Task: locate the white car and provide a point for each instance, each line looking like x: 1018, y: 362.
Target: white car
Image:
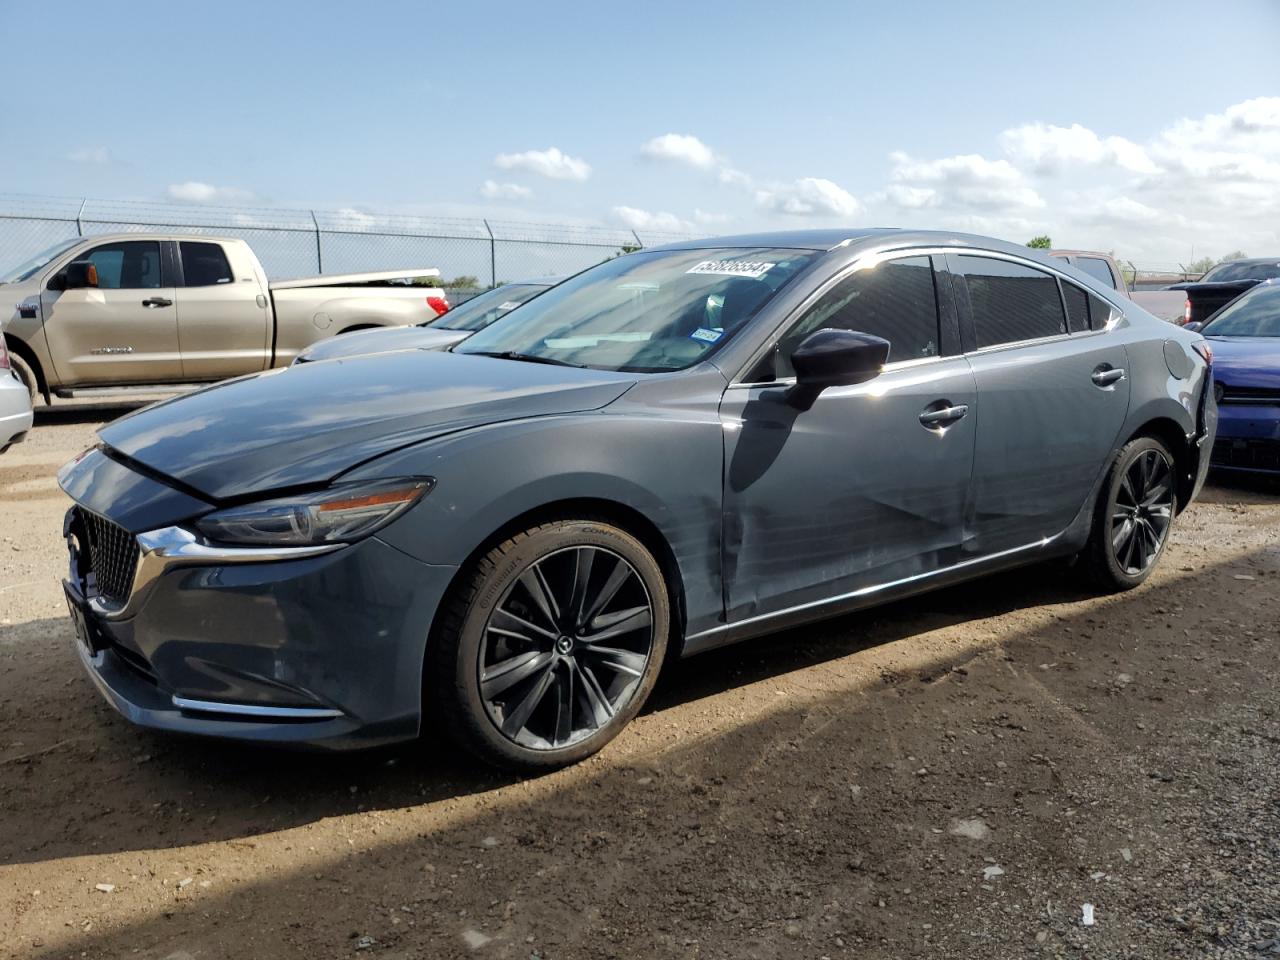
x: 15, y: 403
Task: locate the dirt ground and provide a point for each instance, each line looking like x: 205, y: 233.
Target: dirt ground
x: 952, y: 776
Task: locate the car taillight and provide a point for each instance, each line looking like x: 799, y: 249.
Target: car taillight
x: 4, y: 355
x: 439, y: 304
x: 1202, y: 347
x: 1186, y: 312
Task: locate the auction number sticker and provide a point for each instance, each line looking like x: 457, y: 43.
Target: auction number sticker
x: 755, y: 269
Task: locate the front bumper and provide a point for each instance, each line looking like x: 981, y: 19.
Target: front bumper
x: 15, y: 409
x: 323, y: 650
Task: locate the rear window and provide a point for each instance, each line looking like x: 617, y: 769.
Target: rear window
x: 1098, y: 269
x: 204, y: 264
x: 1077, y: 302
x: 1011, y: 302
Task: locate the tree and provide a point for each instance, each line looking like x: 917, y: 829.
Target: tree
x: 1234, y: 255
x: 1199, y: 267
x: 1041, y: 242
x: 464, y: 282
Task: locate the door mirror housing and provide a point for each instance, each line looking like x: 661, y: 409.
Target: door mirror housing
x: 1193, y: 327
x: 78, y: 274
x: 834, y: 358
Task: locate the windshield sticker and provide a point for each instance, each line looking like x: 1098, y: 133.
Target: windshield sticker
x: 508, y: 305
x: 705, y: 335
x: 754, y: 269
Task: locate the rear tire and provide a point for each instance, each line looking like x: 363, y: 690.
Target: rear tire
x: 1133, y: 517
x: 550, y: 645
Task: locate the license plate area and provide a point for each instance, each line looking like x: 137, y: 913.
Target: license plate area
x: 87, y: 637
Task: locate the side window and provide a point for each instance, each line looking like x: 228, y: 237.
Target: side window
x: 1011, y: 302
x: 204, y: 264
x: 1100, y: 313
x: 1098, y: 269
x: 1077, y: 307
x: 894, y: 300
x: 129, y: 265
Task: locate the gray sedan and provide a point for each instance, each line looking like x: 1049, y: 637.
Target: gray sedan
x: 672, y: 451
x: 439, y: 333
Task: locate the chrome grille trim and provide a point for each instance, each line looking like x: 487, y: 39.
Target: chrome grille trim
x: 112, y: 556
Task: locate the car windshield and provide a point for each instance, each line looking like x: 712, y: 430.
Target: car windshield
x: 480, y: 311
x: 26, y: 269
x: 1242, y: 270
x: 645, y: 312
x: 1256, y: 314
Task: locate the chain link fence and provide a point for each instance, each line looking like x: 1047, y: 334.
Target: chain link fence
x: 295, y: 243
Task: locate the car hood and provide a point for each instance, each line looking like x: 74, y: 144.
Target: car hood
x: 307, y: 424
x: 383, y: 340
x: 1246, y: 361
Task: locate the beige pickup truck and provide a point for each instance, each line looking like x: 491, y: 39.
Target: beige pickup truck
x: 155, y: 310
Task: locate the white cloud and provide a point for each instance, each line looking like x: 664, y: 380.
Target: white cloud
x: 193, y: 191
x: 808, y: 197
x: 707, y: 219
x: 968, y: 181
x: 1050, y: 149
x: 492, y: 190
x: 637, y: 219
x: 551, y: 162
x: 98, y: 156
x: 680, y: 148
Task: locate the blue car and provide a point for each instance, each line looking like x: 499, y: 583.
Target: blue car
x: 1245, y: 338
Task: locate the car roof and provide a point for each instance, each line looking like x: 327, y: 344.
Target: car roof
x: 1246, y: 260
x: 866, y: 238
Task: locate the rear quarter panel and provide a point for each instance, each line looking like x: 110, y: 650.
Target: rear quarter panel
x: 307, y: 315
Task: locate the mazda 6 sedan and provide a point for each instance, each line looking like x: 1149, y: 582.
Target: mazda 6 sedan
x: 672, y: 451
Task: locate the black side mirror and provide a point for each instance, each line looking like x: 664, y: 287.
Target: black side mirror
x: 834, y: 358
x: 1193, y: 327
x: 80, y: 273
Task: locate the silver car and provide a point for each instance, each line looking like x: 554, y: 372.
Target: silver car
x: 672, y: 451
x: 15, y: 403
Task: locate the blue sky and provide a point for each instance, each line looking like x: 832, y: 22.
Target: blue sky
x: 1104, y: 124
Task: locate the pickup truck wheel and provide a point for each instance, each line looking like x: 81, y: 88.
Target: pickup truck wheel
x: 26, y: 375
x: 550, y: 646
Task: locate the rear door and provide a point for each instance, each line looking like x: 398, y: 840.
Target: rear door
x: 1053, y: 393
x: 224, y: 321
x: 123, y: 331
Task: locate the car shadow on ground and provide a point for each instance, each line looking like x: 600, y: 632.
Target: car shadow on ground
x: 1253, y: 489
x: 202, y: 791
x: 789, y: 824
x: 104, y: 412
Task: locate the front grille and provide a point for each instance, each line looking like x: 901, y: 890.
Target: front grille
x: 113, y: 556
x: 1246, y: 454
x: 1250, y: 395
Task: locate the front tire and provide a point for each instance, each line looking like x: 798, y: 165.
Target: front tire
x: 1134, y: 516
x: 550, y: 646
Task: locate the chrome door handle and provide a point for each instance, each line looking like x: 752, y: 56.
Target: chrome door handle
x: 944, y: 416
x: 157, y: 302
x: 1106, y: 376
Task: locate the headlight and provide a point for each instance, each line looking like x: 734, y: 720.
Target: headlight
x: 340, y: 514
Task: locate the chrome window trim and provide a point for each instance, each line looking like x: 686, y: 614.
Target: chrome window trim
x: 890, y: 367
x: 254, y: 710
x: 168, y: 547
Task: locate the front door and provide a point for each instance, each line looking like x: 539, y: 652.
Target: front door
x: 123, y: 331
x: 869, y: 485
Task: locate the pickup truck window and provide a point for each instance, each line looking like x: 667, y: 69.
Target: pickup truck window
x: 1098, y: 269
x: 128, y: 265
x: 204, y: 264
x: 1077, y: 307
